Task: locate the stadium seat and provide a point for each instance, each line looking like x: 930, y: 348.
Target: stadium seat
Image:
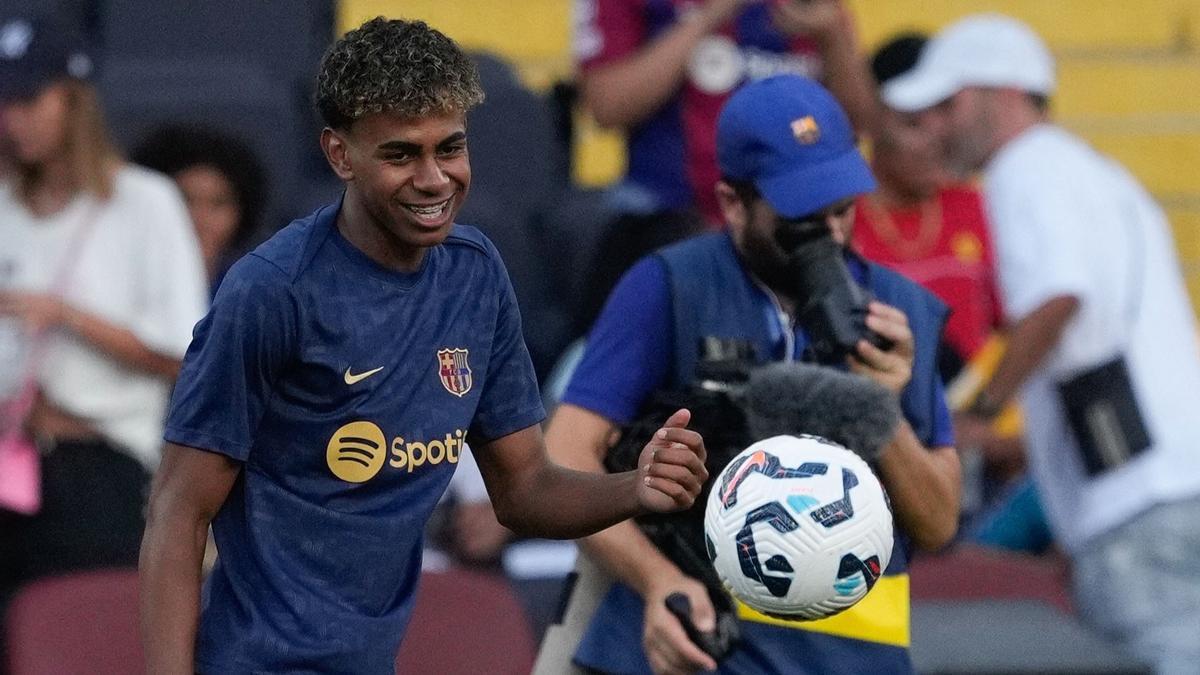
x: 84, y: 623
x: 1103, y: 87
x: 534, y: 33
x: 976, y: 573
x: 466, y: 622
x: 1166, y: 160
x: 241, y: 99
x: 286, y: 38
x: 1067, y: 25
x: 521, y: 199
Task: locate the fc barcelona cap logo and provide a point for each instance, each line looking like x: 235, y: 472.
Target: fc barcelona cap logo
x: 454, y: 370
x: 806, y: 130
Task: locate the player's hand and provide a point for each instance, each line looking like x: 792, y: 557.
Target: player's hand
x: 671, y: 467
x: 667, y: 646
x: 891, y: 368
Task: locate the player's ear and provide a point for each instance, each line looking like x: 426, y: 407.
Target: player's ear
x: 733, y: 209
x: 337, y: 152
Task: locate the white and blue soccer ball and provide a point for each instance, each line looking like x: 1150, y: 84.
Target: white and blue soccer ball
x: 798, y: 527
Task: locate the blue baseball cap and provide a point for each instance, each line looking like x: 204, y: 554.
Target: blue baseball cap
x: 788, y: 136
x: 36, y: 51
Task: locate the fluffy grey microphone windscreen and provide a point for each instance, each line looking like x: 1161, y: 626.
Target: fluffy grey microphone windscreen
x: 801, y: 398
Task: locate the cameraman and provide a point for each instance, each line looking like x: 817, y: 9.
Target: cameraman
x: 787, y: 154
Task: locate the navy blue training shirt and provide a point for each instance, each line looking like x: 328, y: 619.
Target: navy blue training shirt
x: 347, y: 391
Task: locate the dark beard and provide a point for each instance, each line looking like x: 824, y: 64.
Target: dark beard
x: 766, y: 262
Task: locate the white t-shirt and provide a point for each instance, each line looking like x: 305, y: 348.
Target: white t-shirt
x: 139, y: 267
x: 1069, y: 221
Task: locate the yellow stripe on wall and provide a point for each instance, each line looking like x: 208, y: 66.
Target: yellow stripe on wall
x: 882, y: 616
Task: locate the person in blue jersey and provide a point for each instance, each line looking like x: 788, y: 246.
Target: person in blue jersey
x: 325, y: 399
x: 787, y: 155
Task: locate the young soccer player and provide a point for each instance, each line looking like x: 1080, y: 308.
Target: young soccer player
x: 325, y: 399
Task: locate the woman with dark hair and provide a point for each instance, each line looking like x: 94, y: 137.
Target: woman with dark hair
x: 222, y: 182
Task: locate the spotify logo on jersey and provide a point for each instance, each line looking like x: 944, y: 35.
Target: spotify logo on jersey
x: 356, y: 452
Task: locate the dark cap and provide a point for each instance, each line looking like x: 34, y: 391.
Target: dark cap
x: 36, y: 51
x: 790, y: 137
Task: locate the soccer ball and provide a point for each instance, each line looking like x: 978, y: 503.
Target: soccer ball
x: 798, y: 527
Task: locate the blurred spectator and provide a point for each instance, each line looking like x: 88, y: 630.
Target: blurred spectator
x: 735, y: 285
x: 660, y: 71
x: 1015, y: 521
x: 464, y: 528
x: 100, y: 283
x: 930, y: 229
x: 221, y: 181
x: 1103, y: 340
x: 527, y: 207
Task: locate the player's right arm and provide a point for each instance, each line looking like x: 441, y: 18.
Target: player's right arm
x: 238, y: 351
x: 188, y: 489
x: 578, y: 438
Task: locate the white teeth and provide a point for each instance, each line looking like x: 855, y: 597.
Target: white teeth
x: 429, y: 211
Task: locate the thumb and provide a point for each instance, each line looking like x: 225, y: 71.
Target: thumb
x: 679, y: 419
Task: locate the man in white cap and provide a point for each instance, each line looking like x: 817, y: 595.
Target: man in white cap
x: 1102, y: 338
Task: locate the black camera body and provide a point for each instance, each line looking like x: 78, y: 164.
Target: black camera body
x: 832, y: 306
x: 715, y: 399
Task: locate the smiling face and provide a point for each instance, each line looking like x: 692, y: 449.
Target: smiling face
x: 406, y: 179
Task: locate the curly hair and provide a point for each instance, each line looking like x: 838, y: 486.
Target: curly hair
x: 395, y: 66
x: 174, y: 148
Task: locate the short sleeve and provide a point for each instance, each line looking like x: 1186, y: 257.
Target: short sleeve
x: 510, y: 400
x: 607, y: 30
x: 628, y: 351
x: 1037, y: 223
x: 238, y: 351
x: 942, y: 430
x: 173, y: 285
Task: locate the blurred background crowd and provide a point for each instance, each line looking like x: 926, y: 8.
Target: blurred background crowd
x: 177, y: 135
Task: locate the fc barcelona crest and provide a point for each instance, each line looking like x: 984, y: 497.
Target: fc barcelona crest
x: 806, y: 130
x: 454, y: 371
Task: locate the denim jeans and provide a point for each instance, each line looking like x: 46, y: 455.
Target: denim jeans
x: 1139, y: 585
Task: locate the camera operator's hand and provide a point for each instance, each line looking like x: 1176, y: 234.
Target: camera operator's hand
x: 891, y: 368
x: 664, y: 640
x: 671, y: 466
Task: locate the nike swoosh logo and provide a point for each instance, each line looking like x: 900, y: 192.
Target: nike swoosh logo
x: 352, y: 378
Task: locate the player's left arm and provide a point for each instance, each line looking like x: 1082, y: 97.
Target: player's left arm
x: 533, y: 496
x: 924, y: 484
